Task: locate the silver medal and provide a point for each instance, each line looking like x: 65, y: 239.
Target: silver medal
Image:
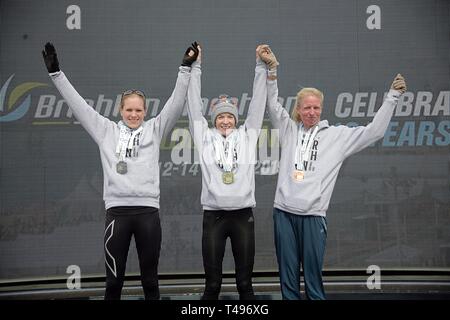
x: 121, y: 167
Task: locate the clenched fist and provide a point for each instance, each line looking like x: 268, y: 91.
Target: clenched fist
x: 399, y: 83
x: 190, y: 55
x: 266, y: 55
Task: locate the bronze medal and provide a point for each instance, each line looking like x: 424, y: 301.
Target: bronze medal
x: 299, y: 175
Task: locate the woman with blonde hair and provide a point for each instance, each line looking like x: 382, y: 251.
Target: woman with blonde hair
x: 129, y: 153
x: 312, y: 152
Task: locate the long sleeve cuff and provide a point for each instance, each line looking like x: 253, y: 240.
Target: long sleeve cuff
x: 272, y: 74
x: 393, y: 95
x: 261, y: 63
x: 55, y: 74
x: 197, y: 65
x: 185, y: 69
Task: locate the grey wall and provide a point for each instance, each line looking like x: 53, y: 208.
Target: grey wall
x: 390, y: 205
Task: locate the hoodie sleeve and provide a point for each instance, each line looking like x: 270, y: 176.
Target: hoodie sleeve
x: 197, y: 122
x: 358, y: 138
x: 94, y: 123
x: 257, y: 106
x: 278, y: 115
x: 166, y: 119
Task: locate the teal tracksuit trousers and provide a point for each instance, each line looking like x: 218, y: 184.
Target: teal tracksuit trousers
x: 300, y: 242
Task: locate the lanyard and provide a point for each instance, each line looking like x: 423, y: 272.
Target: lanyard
x: 127, y: 141
x: 303, y: 150
x: 225, y: 151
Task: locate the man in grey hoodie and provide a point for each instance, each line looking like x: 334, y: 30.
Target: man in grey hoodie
x: 129, y: 152
x: 312, y: 152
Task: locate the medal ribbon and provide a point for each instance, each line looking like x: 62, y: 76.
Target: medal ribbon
x: 225, y: 150
x: 304, y: 149
x: 128, y: 139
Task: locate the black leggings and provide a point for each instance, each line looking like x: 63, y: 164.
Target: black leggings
x: 217, y: 227
x: 121, y: 223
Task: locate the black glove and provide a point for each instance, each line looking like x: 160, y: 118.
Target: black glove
x: 189, y: 59
x: 50, y: 58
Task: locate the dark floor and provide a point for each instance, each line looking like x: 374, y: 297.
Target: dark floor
x: 336, y: 288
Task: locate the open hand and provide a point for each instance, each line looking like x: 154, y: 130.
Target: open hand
x: 50, y: 58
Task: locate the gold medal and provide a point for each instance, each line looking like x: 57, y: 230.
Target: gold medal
x: 299, y: 175
x: 228, y: 177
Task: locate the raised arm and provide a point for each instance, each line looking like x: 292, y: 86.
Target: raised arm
x: 257, y: 106
x: 278, y: 115
x: 94, y: 123
x: 361, y: 137
x: 197, y: 122
x: 173, y: 108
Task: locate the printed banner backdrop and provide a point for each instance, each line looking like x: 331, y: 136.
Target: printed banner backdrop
x: 391, y: 203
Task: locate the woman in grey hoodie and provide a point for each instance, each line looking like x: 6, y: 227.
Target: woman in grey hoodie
x: 129, y: 153
x: 312, y: 152
x: 227, y: 156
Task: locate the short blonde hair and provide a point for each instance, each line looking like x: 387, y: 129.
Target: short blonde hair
x: 302, y: 94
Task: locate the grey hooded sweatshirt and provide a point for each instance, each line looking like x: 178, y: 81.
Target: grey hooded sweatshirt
x: 140, y: 185
x: 332, y: 145
x: 241, y: 193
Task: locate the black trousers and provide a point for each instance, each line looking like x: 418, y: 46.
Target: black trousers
x: 121, y: 224
x: 238, y: 225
